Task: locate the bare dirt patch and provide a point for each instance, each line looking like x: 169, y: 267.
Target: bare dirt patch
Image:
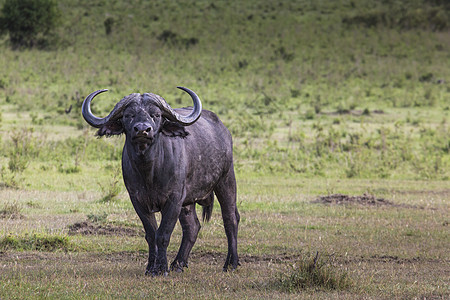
x: 88, y: 228
x: 364, y: 200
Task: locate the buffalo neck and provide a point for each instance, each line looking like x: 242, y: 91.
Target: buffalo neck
x: 162, y: 157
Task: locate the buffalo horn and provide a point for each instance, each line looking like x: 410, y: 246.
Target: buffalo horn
x: 169, y: 112
x: 172, y: 115
x: 96, y: 121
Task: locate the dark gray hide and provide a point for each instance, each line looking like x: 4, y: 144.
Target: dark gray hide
x: 171, y: 160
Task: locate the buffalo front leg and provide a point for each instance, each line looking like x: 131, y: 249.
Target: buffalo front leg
x: 190, y: 226
x: 150, y: 237
x: 169, y: 218
x: 149, y: 222
x: 226, y: 194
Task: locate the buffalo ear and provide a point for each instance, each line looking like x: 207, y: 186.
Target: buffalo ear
x: 110, y: 128
x: 173, y: 129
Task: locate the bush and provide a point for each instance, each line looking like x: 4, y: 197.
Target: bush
x: 404, y: 15
x: 314, y: 273
x: 28, y: 22
x: 97, y: 218
x: 111, y: 189
x: 109, y: 22
x: 11, y: 210
x: 172, y: 39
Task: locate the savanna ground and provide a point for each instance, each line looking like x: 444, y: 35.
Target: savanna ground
x: 339, y: 113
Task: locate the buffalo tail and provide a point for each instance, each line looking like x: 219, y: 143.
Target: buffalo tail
x: 207, y: 209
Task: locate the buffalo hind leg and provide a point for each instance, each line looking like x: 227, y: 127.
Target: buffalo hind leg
x: 225, y: 191
x: 190, y: 226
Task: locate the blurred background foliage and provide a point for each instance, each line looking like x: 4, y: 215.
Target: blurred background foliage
x: 355, y: 89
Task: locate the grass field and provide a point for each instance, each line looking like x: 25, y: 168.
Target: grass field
x: 339, y: 112
x: 393, y: 250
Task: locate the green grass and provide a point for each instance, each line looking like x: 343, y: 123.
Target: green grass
x: 34, y: 242
x: 280, y: 228
x: 322, y: 98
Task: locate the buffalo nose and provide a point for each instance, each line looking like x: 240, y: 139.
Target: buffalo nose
x: 142, y: 128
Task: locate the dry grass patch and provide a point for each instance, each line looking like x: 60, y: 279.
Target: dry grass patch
x: 11, y: 210
x: 89, y: 228
x: 386, y: 251
x: 314, y: 273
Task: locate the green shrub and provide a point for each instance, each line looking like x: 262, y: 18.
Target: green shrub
x: 24, y: 146
x: 174, y: 40
x: 28, y: 22
x: 282, y: 53
x: 109, y: 22
x: 314, y: 273
x: 112, y: 188
x: 69, y: 169
x: 405, y: 15
x: 11, y: 210
x: 97, y: 218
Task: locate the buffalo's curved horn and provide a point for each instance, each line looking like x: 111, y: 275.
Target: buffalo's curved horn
x: 87, y: 113
x: 97, y: 122
x: 168, y: 111
x: 172, y: 115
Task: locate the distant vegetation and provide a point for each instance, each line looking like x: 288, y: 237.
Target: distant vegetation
x: 28, y: 22
x: 355, y: 89
x: 405, y: 15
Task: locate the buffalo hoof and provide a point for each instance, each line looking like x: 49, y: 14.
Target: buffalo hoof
x: 230, y: 267
x: 160, y: 273
x: 154, y: 272
x: 178, y: 266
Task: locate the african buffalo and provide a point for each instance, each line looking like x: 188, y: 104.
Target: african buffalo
x: 171, y: 160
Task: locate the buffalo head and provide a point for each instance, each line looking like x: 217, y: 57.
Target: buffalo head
x: 142, y: 117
